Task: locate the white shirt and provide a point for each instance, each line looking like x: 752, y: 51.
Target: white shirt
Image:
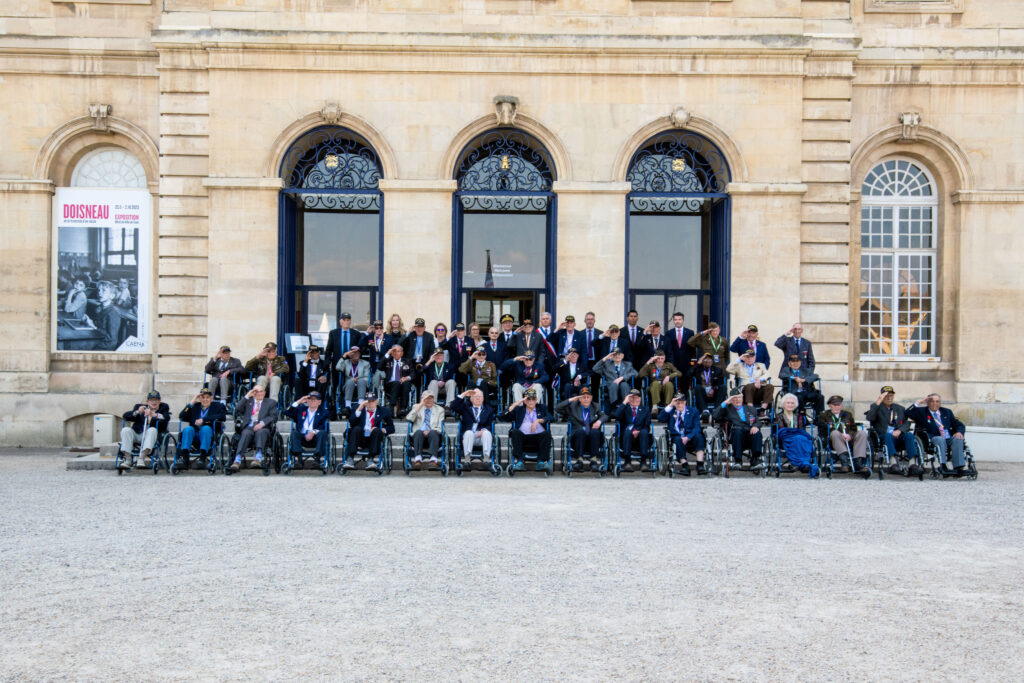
x: 307, y: 424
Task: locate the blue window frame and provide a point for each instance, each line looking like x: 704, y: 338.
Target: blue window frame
x: 504, y: 232
x: 330, y: 204
x: 678, y: 219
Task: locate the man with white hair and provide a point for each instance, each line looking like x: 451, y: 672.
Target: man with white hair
x: 475, y: 418
x: 793, y: 344
x: 427, y: 427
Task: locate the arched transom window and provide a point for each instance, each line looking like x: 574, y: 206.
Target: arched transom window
x: 109, y: 167
x: 898, y: 235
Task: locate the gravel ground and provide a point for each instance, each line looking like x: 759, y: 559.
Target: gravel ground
x: 253, y: 578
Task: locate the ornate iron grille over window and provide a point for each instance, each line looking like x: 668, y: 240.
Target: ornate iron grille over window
x: 504, y: 160
x: 678, y: 162
x: 332, y: 168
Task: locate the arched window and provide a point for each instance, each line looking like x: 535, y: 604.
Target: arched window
x: 109, y: 167
x: 898, y: 234
x: 504, y: 229
x: 677, y: 230
x: 331, y: 231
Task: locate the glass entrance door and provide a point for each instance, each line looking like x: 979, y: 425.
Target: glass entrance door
x: 486, y: 306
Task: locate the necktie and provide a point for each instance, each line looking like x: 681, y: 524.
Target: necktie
x: 355, y: 371
x: 590, y: 343
x: 398, y: 368
x: 634, y: 415
x: 344, y: 341
x: 372, y: 417
x: 476, y: 415
x: 426, y: 421
x: 494, y: 346
x: 679, y: 338
x: 679, y: 422
x: 617, y: 371
x: 222, y: 364
x: 256, y: 411
x: 632, y: 335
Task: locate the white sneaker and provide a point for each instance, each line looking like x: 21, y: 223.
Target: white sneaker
x: 140, y: 462
x: 418, y: 459
x: 433, y: 461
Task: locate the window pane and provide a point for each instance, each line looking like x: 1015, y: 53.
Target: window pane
x: 650, y: 307
x: 665, y: 252
x: 876, y: 227
x: 876, y: 304
x: 914, y: 304
x: 339, y: 249
x: 359, y: 305
x: 687, y: 305
x: 322, y: 312
x: 516, y: 244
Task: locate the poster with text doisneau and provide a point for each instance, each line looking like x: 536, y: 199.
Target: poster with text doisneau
x: 103, y: 270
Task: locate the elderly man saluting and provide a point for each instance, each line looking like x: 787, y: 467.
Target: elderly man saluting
x: 943, y: 429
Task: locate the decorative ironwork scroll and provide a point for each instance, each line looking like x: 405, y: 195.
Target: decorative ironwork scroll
x: 331, y: 158
x: 505, y: 202
x: 505, y: 160
x: 678, y: 161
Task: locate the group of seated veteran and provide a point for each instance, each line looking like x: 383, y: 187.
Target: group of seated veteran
x: 753, y: 380
x: 145, y: 424
x: 842, y: 433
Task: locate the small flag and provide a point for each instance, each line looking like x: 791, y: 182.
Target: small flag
x: 489, y: 275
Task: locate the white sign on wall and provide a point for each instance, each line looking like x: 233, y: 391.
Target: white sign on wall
x: 103, y: 269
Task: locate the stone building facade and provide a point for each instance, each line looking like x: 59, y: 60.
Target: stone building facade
x: 804, y: 100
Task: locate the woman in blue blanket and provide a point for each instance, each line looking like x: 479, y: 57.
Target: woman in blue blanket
x: 793, y: 436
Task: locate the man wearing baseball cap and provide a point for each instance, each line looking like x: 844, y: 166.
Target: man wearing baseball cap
x: 567, y: 337
x: 529, y: 375
x: 418, y: 346
x: 144, y: 424
x: 529, y: 431
x: 587, y: 421
x: 888, y: 421
x: 221, y: 369
x: 842, y: 432
x: 367, y: 426
x: 748, y: 340
x: 199, y: 417
x: 309, y: 428
x: 753, y: 380
x: 634, y: 432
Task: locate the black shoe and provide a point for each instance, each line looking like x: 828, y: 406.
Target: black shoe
x: 595, y: 466
x: 627, y: 467
x: 684, y: 469
x: 945, y: 471
x: 915, y: 470
x: 345, y: 413
x: 700, y: 469
x: 755, y: 462
x: 895, y: 469
x: 960, y: 472
x: 860, y: 464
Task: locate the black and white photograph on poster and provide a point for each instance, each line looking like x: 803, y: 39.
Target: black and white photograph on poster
x: 102, y: 269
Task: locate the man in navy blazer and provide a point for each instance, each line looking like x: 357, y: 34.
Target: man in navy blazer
x: 567, y: 337
x: 529, y: 428
x: 680, y: 353
x: 614, y: 339
x: 475, y: 418
x: 494, y: 347
x: 748, y: 340
x: 685, y: 433
x: 943, y: 429
x: 653, y: 341
x: 341, y: 340
x: 309, y: 423
x: 793, y: 344
x: 635, y: 429
x: 367, y: 427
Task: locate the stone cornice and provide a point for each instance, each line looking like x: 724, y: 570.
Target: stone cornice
x: 766, y: 188
x: 25, y: 185
x: 389, y: 185
x: 590, y: 187
x: 989, y: 197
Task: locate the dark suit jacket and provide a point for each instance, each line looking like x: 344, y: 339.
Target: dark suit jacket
x: 691, y: 421
x: 731, y: 415
x: 761, y: 350
x: 455, y: 356
x: 586, y: 346
x: 679, y: 357
x: 605, y: 347
x: 388, y: 368
x: 535, y: 344
x: 574, y: 409
x: 881, y: 417
x: 922, y: 418
x: 382, y: 419
x: 535, y: 375
x: 298, y: 413
x: 517, y: 415
x: 582, y: 371
x: 790, y: 347
x: 716, y: 376
x: 213, y: 366
x: 624, y: 334
x: 368, y: 349
x: 138, y: 422
x: 193, y: 411
x: 557, y: 341
x: 409, y: 346
x: 302, y: 376
x: 464, y: 409
x: 334, y: 352
x: 497, y: 354
x: 624, y: 415
x: 267, y: 415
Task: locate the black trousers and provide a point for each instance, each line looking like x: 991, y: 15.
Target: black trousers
x: 641, y: 442
x: 811, y: 397
x: 586, y: 442
x: 742, y: 438
x: 705, y: 402
x: 534, y: 443
x: 398, y: 394
x: 357, y: 440
x: 297, y: 441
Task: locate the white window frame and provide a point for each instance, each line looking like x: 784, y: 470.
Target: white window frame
x: 897, y: 203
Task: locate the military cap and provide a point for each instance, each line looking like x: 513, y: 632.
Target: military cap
x: 530, y: 393
x: 225, y: 348
x: 794, y: 357
x: 735, y: 392
x: 679, y: 397
x: 346, y: 316
x: 836, y: 399
x: 570, y: 318
x: 270, y: 346
x: 613, y: 328
x: 378, y: 323
x: 314, y: 394
x: 507, y: 318
x: 752, y: 328
x: 527, y: 321
x: 748, y: 352
x: 528, y: 354
x: 655, y: 323
x: 206, y: 391
x: 712, y: 325
x: 460, y: 326
x: 370, y: 396
x: 313, y: 347
x: 572, y: 349
x: 419, y: 322
x: 153, y: 394
x: 634, y: 392
x: 888, y: 390
x: 585, y: 391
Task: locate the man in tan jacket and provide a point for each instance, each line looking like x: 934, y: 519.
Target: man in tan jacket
x: 753, y: 379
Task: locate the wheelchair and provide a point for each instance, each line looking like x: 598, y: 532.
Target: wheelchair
x: 668, y: 466
x: 620, y: 459
x: 157, y: 458
x: 931, y: 460
x: 244, y: 381
x: 337, y: 392
x: 543, y: 462
x: 230, y: 400
x: 272, y: 456
x: 183, y: 460
x: 443, y: 449
x: 879, y: 456
x: 829, y: 461
x: 458, y: 462
x: 383, y: 455
x: 717, y: 443
x: 604, y: 464
x: 775, y: 455
x: 322, y: 458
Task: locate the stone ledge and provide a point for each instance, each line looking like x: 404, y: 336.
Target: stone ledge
x: 26, y: 185
x: 591, y: 187
x: 766, y: 188
x: 989, y: 197
x: 223, y: 183
x: 417, y: 185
